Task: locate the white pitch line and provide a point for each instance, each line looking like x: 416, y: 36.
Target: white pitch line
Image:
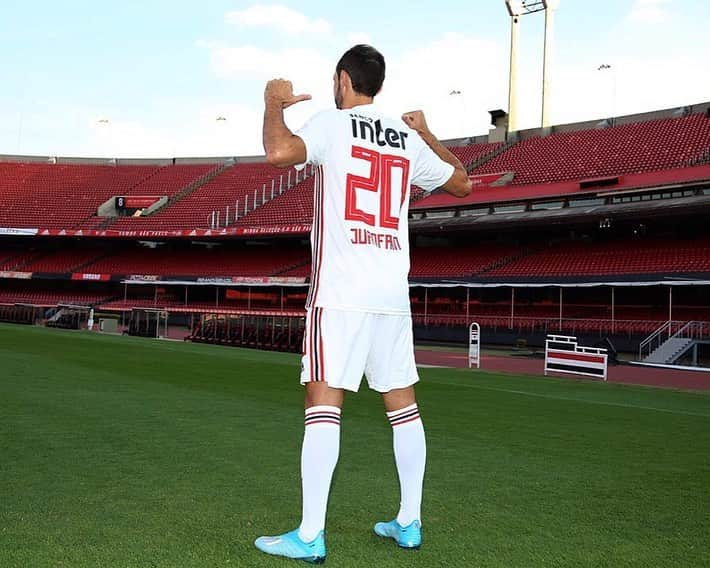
x: 597, y: 402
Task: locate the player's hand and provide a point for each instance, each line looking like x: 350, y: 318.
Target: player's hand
x: 280, y: 92
x: 416, y: 121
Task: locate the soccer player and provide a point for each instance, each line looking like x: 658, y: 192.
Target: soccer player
x: 358, y: 314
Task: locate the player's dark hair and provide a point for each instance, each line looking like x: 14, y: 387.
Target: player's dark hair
x: 366, y: 67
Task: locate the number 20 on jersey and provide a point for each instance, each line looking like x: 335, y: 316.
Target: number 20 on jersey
x: 378, y: 181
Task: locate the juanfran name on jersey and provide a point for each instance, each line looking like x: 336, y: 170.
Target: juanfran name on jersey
x: 379, y: 240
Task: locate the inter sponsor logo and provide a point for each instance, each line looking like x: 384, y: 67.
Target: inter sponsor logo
x: 367, y: 129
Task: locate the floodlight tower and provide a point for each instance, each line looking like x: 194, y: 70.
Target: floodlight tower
x: 550, y: 7
x: 518, y: 9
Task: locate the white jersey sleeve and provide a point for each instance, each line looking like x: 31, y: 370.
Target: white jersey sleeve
x: 314, y: 134
x: 430, y: 171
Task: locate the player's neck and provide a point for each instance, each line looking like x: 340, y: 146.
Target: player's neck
x: 356, y: 100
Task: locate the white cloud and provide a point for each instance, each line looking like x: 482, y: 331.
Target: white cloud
x: 649, y: 12
x: 279, y: 17
x: 309, y: 70
x: 356, y: 38
x: 125, y: 138
x: 198, y: 133
x: 632, y: 85
x: 424, y: 77
x: 206, y: 44
x: 239, y: 134
x: 249, y: 61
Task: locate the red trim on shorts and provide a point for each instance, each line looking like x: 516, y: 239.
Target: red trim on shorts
x: 321, y: 353
x: 310, y: 345
x: 319, y: 224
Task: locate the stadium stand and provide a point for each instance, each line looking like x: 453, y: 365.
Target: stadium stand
x: 62, y: 261
x: 66, y: 195
x: 457, y: 262
x: 201, y: 262
x: 630, y: 148
x: 235, y: 185
x: 51, y: 298
x: 16, y: 260
x: 635, y: 148
x: 293, y: 207
x: 469, y: 153
x: 611, y: 258
x: 167, y: 181
x: 115, y: 273
x: 618, y: 257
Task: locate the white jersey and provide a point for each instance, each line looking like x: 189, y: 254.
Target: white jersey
x: 365, y: 164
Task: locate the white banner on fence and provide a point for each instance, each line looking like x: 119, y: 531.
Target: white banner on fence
x: 564, y: 355
x: 18, y: 232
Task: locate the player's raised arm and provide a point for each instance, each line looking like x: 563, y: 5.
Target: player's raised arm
x: 282, y: 147
x: 458, y: 185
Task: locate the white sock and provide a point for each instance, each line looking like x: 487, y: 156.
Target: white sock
x: 410, y: 457
x: 319, y: 454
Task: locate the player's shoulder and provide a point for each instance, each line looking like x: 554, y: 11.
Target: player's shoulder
x: 373, y: 112
x: 325, y: 115
x: 318, y: 122
x: 396, y: 123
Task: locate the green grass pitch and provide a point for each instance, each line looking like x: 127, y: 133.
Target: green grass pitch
x: 137, y: 453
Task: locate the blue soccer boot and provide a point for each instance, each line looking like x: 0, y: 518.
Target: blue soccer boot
x: 290, y: 545
x: 406, y: 537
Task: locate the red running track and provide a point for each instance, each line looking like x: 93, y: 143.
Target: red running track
x: 623, y: 374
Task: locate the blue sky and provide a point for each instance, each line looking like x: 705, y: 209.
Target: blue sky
x: 149, y: 78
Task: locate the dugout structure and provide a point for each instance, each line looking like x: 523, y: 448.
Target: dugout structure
x: 146, y: 322
x: 276, y: 331
x: 27, y: 314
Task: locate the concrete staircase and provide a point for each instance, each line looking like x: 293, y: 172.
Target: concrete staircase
x: 669, y: 351
x: 681, y: 338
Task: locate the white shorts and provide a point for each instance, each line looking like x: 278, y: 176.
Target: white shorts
x: 339, y: 346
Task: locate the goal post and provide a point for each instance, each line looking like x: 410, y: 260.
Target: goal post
x: 474, y: 346
x: 69, y: 316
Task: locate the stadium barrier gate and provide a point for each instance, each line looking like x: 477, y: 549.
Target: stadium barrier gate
x: 474, y: 345
x: 564, y: 355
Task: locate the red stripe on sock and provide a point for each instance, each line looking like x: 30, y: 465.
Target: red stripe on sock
x: 401, y: 411
x: 323, y: 416
x: 323, y: 421
x: 412, y: 419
